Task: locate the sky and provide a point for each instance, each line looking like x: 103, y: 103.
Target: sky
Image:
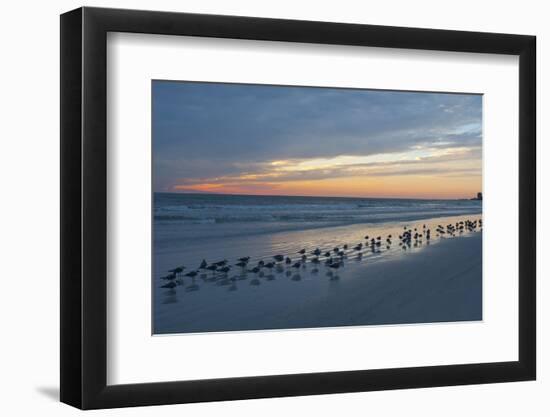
x: 283, y: 140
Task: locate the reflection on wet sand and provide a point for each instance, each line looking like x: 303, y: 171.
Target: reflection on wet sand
x: 292, y: 265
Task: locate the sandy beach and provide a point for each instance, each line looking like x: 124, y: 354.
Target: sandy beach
x: 436, y: 281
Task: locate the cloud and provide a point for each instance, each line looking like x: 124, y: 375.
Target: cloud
x: 205, y: 132
x: 450, y: 162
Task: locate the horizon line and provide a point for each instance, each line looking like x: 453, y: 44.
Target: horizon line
x: 315, y: 196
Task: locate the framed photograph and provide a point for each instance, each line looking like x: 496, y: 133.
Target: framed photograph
x: 257, y: 208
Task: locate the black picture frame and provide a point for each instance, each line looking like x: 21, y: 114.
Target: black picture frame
x: 84, y: 207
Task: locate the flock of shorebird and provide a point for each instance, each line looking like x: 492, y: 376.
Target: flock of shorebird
x: 333, y: 258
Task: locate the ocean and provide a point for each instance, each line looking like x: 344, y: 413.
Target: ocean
x: 199, y: 216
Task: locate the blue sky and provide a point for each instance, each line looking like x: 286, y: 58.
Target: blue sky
x: 272, y: 139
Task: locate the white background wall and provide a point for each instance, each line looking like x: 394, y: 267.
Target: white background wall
x: 29, y: 177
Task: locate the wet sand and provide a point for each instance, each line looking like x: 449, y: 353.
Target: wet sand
x: 437, y: 281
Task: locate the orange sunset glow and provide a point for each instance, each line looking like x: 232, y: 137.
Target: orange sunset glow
x: 258, y: 140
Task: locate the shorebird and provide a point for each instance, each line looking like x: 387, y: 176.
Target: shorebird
x: 177, y: 270
x: 169, y: 277
x: 333, y: 258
